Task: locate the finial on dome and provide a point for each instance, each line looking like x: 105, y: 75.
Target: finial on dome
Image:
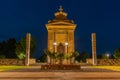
x: 60, y: 9
x: 60, y: 12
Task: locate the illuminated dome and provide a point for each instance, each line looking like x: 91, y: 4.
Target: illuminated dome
x: 60, y: 17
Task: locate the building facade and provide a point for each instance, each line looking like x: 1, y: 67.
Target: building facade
x: 61, y: 33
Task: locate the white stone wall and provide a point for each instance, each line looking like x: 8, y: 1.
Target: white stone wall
x: 15, y: 61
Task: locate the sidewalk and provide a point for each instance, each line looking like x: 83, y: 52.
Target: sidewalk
x: 35, y: 73
x: 59, y: 75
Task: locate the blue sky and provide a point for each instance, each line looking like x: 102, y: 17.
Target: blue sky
x: 17, y: 17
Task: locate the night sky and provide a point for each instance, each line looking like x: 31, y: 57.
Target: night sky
x: 17, y: 17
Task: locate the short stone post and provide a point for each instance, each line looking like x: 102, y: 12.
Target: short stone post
x: 28, y: 37
x: 94, y: 57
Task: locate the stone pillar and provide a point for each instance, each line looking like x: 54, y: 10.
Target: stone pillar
x: 94, y: 56
x: 66, y: 52
x: 54, y: 47
x: 28, y: 37
x: 48, y: 60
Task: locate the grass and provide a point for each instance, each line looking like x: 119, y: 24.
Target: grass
x: 5, y: 68
x: 115, y: 68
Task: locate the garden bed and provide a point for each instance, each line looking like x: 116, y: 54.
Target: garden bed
x: 60, y: 67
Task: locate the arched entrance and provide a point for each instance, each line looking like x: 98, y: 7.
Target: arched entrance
x: 61, y: 48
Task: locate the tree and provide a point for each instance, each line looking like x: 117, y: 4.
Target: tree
x: 21, y: 48
x: 105, y: 56
x: 10, y: 47
x: 7, y: 48
x: 42, y: 58
x: 2, y: 48
x: 75, y: 54
x: 2, y: 56
x: 68, y: 57
x: 117, y: 53
x: 47, y: 52
x: 54, y: 56
x: 61, y: 56
x: 82, y: 57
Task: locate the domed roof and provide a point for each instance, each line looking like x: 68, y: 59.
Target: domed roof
x: 60, y: 16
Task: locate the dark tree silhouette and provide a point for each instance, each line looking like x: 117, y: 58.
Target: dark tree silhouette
x: 82, y: 57
x: 7, y: 48
x: 117, y: 53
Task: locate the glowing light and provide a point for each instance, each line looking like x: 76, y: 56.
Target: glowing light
x: 66, y: 43
x: 54, y: 43
x: 108, y: 55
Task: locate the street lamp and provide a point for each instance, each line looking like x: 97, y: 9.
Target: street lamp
x: 108, y: 55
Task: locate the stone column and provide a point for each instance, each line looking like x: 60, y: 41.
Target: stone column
x: 54, y: 47
x: 94, y: 56
x: 28, y: 37
x: 66, y: 51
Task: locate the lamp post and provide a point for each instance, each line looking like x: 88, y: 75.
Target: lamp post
x: 108, y: 55
x: 54, y: 50
x: 66, y: 46
x: 55, y: 46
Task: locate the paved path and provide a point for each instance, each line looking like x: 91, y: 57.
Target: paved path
x: 34, y: 73
x: 59, y: 75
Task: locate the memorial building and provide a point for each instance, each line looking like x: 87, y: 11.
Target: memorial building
x: 61, y: 33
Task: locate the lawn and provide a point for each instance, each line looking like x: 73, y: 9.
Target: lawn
x: 5, y: 68
x: 115, y: 68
